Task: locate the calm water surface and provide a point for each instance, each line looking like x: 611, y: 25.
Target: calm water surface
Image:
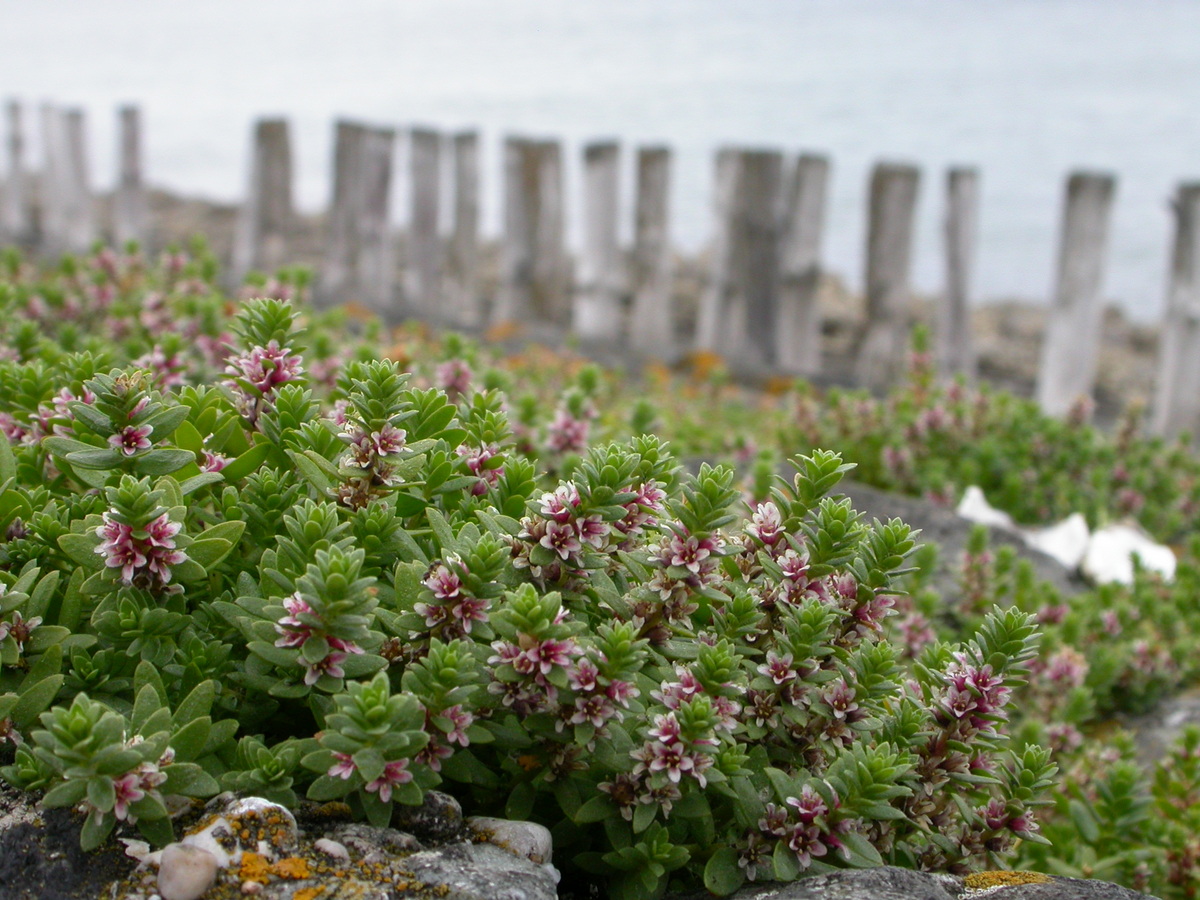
x: 1024, y: 89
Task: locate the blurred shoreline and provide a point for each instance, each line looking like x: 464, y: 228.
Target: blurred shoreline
x: 1007, y: 333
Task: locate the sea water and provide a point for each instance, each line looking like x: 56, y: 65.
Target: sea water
x: 1026, y: 90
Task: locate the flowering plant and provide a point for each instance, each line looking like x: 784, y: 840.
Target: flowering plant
x: 233, y: 576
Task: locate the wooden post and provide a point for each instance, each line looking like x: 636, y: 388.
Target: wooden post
x: 955, y: 354
x: 68, y: 223
x: 533, y: 268
x: 463, y: 298
x: 424, y: 242
x: 1177, y: 394
x: 597, y: 313
x: 798, y: 329
x: 1070, y: 350
x: 757, y: 255
x: 16, y: 224
x: 652, y: 328
x: 360, y: 265
x: 712, y: 316
x: 266, y: 219
x: 516, y: 264
x: 551, y: 266
x: 892, y: 214
x: 129, y: 198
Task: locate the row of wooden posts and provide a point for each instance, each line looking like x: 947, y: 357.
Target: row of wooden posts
x: 759, y: 308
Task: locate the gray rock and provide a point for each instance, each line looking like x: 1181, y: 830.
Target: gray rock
x: 373, y: 845
x: 889, y: 883
x: 438, y: 819
x: 950, y: 531
x: 528, y: 840
x: 482, y: 872
x: 1155, y: 732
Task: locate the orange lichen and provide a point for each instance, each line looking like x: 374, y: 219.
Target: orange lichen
x: 502, y: 331
x: 254, y: 868
x: 293, y: 868
x: 778, y: 384
x: 977, y: 881
x: 703, y: 363
x: 308, y: 893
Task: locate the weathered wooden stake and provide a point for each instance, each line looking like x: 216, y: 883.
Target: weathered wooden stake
x: 68, y: 220
x: 424, y: 281
x: 652, y: 325
x: 129, y: 211
x: 551, y: 265
x: 712, y: 319
x: 757, y: 233
x: 534, y: 265
x: 463, y: 300
x: 891, y: 216
x: 360, y: 265
x: 266, y: 220
x: 798, y: 329
x: 1177, y: 394
x: 16, y: 209
x: 955, y: 353
x: 597, y: 312
x: 1071, y: 347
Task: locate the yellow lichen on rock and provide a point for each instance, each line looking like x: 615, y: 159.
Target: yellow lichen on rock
x: 293, y: 868
x: 987, y: 881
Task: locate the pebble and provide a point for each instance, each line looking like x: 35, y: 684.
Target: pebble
x: 331, y: 848
x: 185, y: 872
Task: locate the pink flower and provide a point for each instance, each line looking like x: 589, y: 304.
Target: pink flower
x: 153, y: 554
x: 331, y: 665
x: 689, y: 552
x: 567, y: 434
x: 443, y: 582
x: 460, y: 721
x: 454, y: 377
x: 545, y: 655
x: 766, y: 523
x: 295, y: 633
x: 131, y: 439
x: 839, y: 697
x: 344, y: 766
x: 778, y: 668
x: 19, y: 628
x: 388, y: 440
x: 596, y: 709
x: 476, y: 459
x: 561, y: 538
x: 213, y: 462
x: 127, y: 789
x: 805, y: 841
x: 809, y: 805
x: 560, y: 504
x: 265, y: 368
x: 621, y: 692
x: 666, y: 729
x: 675, y: 760
x: 395, y: 772
x: 585, y: 675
